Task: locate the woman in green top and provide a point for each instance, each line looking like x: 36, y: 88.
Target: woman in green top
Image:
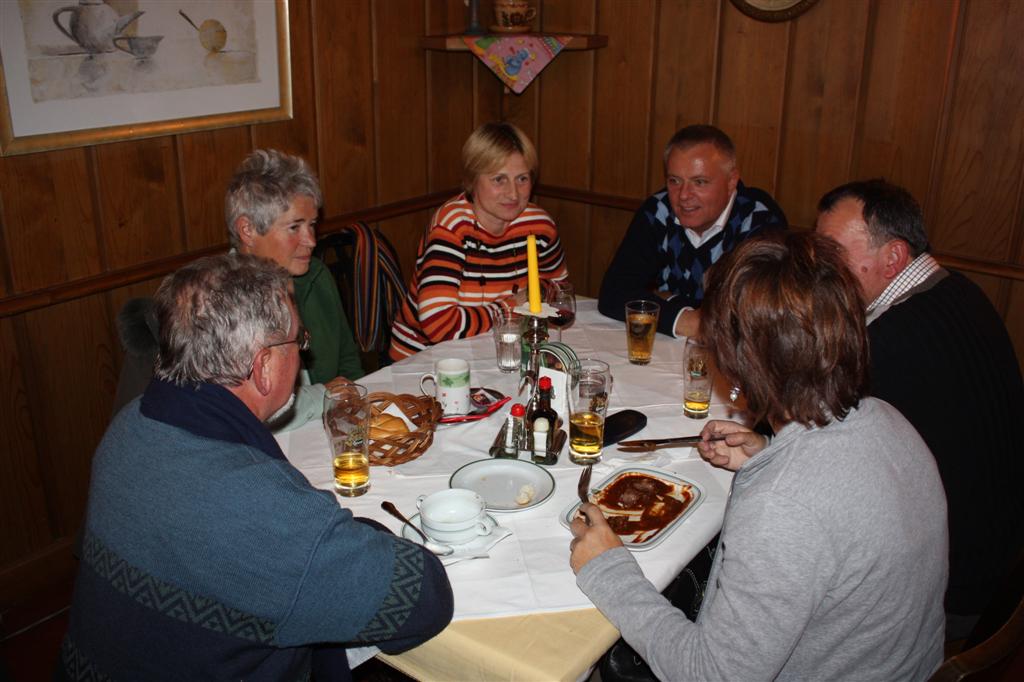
x: 271, y: 209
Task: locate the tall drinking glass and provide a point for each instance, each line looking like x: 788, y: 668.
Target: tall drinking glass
x: 589, y: 390
x: 507, y: 327
x: 697, y: 380
x: 346, y: 423
x: 641, y: 325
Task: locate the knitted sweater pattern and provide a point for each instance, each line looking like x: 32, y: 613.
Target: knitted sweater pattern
x: 462, y: 269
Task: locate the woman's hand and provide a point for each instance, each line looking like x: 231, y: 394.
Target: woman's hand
x: 590, y: 540
x: 740, y: 444
x: 336, y: 385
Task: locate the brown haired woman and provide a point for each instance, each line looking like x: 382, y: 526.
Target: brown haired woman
x: 832, y: 559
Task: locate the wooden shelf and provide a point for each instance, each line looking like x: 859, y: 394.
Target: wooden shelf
x: 454, y: 42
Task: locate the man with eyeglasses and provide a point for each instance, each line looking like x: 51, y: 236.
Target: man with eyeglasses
x: 205, y: 554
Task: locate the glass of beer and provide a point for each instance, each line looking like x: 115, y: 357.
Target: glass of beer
x: 591, y: 385
x: 641, y: 325
x: 346, y: 423
x: 696, y: 380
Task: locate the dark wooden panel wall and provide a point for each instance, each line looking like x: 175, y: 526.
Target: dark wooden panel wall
x: 929, y: 93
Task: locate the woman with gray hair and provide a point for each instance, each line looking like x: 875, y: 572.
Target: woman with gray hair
x: 271, y: 209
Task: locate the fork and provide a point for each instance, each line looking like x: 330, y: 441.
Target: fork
x: 583, y: 487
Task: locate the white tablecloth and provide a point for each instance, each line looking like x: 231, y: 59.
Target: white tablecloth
x: 529, y: 572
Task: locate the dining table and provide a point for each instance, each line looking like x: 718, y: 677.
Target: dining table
x: 518, y: 612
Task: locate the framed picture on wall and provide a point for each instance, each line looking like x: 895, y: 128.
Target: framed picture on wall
x: 83, y: 72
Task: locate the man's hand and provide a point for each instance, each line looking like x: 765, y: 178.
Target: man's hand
x: 688, y: 323
x: 589, y: 541
x: 740, y: 444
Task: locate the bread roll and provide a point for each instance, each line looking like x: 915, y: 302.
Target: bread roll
x: 384, y: 425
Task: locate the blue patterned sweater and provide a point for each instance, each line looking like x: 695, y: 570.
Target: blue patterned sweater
x: 656, y: 256
x: 204, y: 559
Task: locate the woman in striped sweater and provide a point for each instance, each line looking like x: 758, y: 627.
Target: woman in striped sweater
x: 474, y: 253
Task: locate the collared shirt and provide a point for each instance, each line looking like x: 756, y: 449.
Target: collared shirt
x: 920, y: 269
x: 698, y: 239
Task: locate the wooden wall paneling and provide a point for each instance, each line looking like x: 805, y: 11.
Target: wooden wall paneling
x: 566, y: 92
x: 400, y: 111
x: 607, y: 227
x: 984, y: 150
x: 70, y: 350
x: 910, y: 50
x: 684, y: 74
x: 400, y: 106
x: 752, y: 80
x: 26, y: 527
x: 138, y: 189
x: 207, y: 160
x: 344, y: 104
x: 622, y: 98
x: 488, y: 95
x: 820, y: 106
x: 404, y: 234
x: 49, y: 219
x: 299, y: 135
x: 449, y: 97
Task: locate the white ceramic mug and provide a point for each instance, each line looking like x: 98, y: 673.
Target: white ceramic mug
x: 451, y: 385
x: 454, y: 516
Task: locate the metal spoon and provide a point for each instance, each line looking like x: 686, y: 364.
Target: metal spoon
x: 435, y: 547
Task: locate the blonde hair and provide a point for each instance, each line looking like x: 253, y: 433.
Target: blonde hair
x: 487, y: 148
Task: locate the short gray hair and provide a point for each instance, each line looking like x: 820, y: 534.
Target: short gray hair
x: 263, y: 188
x: 216, y: 313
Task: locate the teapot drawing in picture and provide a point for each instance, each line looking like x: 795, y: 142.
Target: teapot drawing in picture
x: 93, y: 24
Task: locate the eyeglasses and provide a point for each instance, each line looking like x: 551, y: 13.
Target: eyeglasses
x: 302, y: 338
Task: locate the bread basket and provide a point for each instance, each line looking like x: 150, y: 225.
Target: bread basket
x: 423, y: 411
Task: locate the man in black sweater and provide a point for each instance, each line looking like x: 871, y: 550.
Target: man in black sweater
x: 941, y: 355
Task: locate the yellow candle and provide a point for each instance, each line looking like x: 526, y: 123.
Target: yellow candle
x: 532, y: 275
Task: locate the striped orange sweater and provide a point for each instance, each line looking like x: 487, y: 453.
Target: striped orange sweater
x: 461, y: 270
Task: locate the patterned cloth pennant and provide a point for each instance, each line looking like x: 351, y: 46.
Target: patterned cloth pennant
x: 516, y: 60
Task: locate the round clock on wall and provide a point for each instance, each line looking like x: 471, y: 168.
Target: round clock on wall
x: 773, y: 10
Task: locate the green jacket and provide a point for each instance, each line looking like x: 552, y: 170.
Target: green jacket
x: 332, y: 350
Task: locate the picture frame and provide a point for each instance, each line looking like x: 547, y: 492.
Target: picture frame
x: 773, y: 10
x: 84, y: 72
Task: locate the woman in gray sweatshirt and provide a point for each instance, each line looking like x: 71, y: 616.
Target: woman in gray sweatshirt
x: 832, y: 559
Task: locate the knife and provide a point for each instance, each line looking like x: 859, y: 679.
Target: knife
x: 655, y: 443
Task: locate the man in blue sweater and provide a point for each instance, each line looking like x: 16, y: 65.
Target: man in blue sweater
x: 702, y: 213
x: 941, y: 355
x: 205, y: 554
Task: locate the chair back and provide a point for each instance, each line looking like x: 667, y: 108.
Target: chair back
x: 365, y: 267
x: 139, y: 331
x: 997, y: 641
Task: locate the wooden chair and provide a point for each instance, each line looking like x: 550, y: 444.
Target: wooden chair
x: 365, y: 268
x: 997, y: 641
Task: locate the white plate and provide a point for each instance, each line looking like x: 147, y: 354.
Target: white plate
x: 499, y: 481
x: 570, y: 512
x: 477, y: 546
